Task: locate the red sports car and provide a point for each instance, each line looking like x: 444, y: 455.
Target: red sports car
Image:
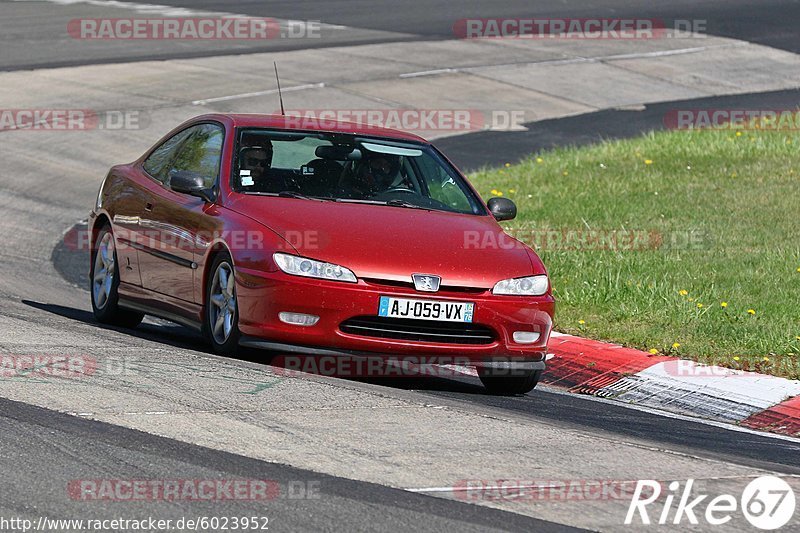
x: 335, y: 239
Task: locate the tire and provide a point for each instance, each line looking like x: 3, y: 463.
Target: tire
x: 221, y: 313
x: 104, y: 283
x: 509, y: 385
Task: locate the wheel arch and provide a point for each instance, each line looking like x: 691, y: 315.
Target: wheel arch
x: 216, y: 248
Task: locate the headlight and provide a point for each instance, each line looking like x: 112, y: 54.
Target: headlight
x: 300, y: 266
x: 530, y: 286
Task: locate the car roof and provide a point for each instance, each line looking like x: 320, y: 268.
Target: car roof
x: 253, y: 120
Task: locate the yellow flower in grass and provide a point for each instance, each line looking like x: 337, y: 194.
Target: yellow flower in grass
x: 512, y: 191
x: 723, y: 304
x: 751, y: 311
x: 648, y: 161
x: 798, y: 269
x: 539, y: 160
x: 798, y: 337
x: 676, y: 345
x: 736, y: 358
x: 495, y: 192
x: 652, y: 351
x: 738, y: 133
x: 581, y: 322
x: 683, y: 292
x: 699, y: 306
x: 566, y: 173
x: 508, y: 165
x: 766, y: 359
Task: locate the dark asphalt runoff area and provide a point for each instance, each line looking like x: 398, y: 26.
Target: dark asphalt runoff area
x: 23, y: 29
x: 469, y: 152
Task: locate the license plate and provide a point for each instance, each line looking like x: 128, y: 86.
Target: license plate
x: 426, y: 309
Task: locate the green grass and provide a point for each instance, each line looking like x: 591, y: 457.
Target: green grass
x: 738, y: 196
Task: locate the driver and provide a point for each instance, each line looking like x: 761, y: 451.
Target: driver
x: 376, y: 173
x: 257, y: 160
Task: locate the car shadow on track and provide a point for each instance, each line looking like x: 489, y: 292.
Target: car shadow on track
x: 182, y: 337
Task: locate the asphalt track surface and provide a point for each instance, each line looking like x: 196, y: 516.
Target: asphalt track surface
x: 769, y: 22
x: 43, y: 449
x: 304, y: 501
x: 543, y: 405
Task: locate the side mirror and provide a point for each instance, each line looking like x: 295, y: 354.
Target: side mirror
x: 188, y: 182
x: 502, y: 208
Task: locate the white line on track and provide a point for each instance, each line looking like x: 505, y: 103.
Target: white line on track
x: 428, y: 72
x: 573, y: 60
x: 147, y: 9
x: 161, y: 10
x: 558, y: 486
x: 259, y: 93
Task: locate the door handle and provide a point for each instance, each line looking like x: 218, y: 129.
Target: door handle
x: 148, y: 206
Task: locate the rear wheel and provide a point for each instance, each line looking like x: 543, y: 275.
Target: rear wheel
x: 104, y: 280
x: 222, y: 313
x: 505, y: 385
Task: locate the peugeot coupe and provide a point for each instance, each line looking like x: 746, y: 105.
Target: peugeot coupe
x: 333, y: 238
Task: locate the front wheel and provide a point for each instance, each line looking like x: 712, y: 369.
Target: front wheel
x: 104, y: 278
x: 221, y: 313
x: 509, y: 385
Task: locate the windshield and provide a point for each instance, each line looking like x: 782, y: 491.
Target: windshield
x: 349, y: 168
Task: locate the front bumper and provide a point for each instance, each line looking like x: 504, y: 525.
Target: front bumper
x: 262, y: 295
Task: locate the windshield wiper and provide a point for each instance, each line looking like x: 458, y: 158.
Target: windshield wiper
x: 392, y: 203
x: 403, y: 203
x: 300, y: 196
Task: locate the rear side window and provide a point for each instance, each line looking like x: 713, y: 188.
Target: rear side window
x: 197, y: 149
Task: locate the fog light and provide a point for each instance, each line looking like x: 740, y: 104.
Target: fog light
x: 298, y: 319
x: 526, y: 337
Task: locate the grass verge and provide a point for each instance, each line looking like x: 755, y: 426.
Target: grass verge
x: 683, y: 243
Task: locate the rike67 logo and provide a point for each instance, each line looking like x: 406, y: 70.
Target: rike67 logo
x: 767, y: 502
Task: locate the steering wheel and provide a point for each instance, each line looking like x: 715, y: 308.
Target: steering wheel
x: 398, y: 189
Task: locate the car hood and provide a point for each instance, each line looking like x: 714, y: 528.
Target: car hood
x: 392, y: 243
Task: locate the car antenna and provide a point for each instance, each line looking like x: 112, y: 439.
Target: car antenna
x: 280, y: 96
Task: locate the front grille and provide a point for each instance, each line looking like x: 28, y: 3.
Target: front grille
x: 418, y: 330
x: 410, y: 285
